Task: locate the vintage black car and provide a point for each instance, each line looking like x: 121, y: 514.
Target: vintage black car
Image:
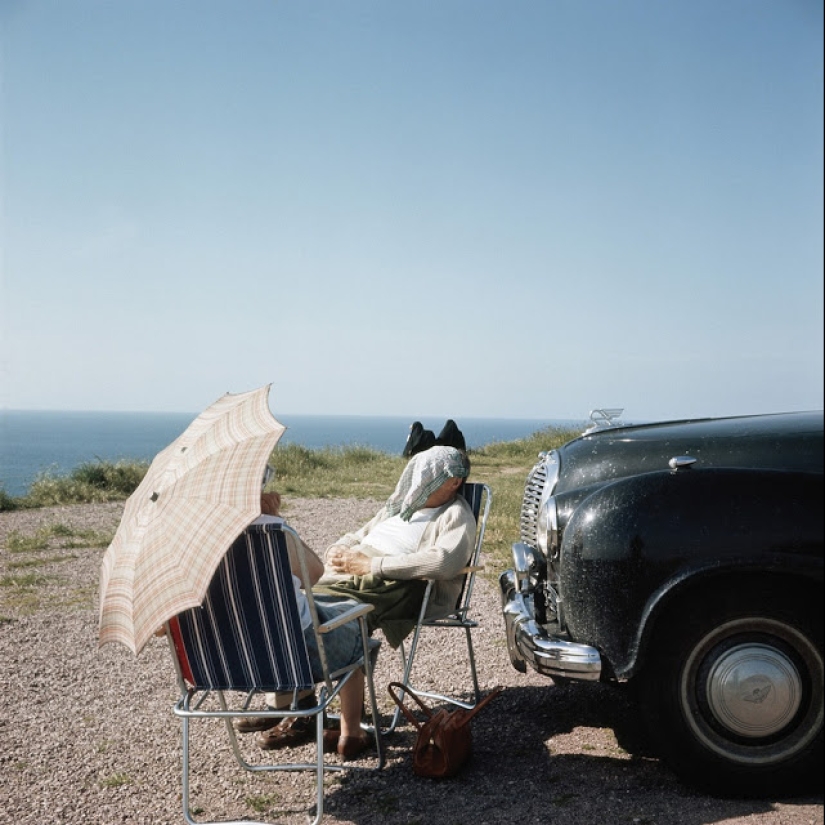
x: 685, y: 559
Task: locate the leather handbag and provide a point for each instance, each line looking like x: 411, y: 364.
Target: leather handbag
x: 444, y: 740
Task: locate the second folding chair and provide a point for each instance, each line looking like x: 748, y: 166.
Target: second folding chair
x: 479, y: 497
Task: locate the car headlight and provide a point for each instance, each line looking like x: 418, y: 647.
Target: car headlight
x: 547, y: 521
x: 548, y: 527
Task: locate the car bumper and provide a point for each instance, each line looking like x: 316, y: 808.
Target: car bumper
x: 529, y: 644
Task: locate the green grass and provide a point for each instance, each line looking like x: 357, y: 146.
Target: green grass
x: 19, y: 565
x: 116, y: 780
x: 16, y: 542
x: 24, y: 557
x: 348, y: 472
x: 20, y: 592
x: 65, y: 537
x: 262, y: 803
x: 23, y: 581
x: 92, y: 481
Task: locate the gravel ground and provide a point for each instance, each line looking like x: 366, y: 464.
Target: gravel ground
x: 87, y: 736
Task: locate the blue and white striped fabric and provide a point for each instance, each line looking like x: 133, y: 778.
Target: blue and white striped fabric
x: 473, y: 492
x: 247, y: 633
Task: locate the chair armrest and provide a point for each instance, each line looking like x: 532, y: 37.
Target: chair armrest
x: 354, y: 612
x: 470, y: 568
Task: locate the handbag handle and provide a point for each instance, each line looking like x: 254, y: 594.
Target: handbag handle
x: 481, y: 703
x: 428, y: 711
x: 404, y: 709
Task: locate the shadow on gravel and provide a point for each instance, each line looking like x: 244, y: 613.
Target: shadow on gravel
x: 567, y: 753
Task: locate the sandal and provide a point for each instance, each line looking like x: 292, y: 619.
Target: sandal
x: 292, y: 731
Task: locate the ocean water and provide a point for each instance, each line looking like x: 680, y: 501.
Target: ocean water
x: 35, y: 442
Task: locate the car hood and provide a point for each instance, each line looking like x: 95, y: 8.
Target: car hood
x: 784, y: 441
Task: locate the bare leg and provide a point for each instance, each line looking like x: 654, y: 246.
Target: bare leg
x: 352, y: 740
x: 352, y: 704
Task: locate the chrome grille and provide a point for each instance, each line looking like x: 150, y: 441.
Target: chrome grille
x: 533, y: 489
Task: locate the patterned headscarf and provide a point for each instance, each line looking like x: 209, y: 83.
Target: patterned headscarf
x: 423, y: 475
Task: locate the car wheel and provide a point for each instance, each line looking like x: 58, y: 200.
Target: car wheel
x: 734, y: 698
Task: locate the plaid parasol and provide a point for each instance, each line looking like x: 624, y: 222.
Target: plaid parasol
x: 196, y: 498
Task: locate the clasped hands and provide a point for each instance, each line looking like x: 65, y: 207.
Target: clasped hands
x: 342, y: 559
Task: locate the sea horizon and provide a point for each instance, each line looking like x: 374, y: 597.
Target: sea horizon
x: 35, y: 442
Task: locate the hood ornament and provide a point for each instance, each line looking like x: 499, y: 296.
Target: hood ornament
x: 604, y: 417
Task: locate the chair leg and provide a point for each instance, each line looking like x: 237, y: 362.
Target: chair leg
x: 185, y: 782
x: 407, y: 664
x: 376, y: 722
x: 318, y: 766
x: 472, y: 657
x: 187, y: 812
x: 233, y: 737
x: 319, y: 770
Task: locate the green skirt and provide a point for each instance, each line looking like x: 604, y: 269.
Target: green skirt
x: 396, y: 603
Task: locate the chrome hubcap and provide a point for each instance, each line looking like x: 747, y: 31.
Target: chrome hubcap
x: 754, y: 690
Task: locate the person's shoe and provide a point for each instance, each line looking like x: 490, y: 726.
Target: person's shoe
x: 288, y: 733
x: 351, y: 746
x: 419, y: 439
x: 251, y: 724
x: 451, y: 436
x: 292, y: 731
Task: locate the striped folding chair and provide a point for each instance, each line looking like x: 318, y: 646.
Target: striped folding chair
x: 246, y: 638
x: 479, y: 497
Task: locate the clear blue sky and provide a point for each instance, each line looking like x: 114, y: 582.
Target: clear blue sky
x: 443, y: 207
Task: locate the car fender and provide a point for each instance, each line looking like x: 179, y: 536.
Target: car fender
x: 634, y: 544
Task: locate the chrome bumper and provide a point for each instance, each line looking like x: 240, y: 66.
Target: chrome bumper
x: 529, y: 644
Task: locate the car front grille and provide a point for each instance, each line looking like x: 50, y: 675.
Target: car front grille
x: 533, y: 489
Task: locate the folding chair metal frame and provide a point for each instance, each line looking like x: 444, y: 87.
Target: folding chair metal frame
x: 245, y: 639
x: 479, y: 496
